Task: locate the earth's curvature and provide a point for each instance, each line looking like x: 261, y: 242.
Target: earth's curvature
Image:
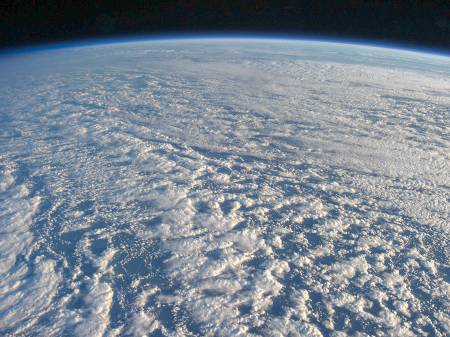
x: 224, y: 187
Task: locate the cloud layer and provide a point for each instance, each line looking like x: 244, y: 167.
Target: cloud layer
x: 224, y: 188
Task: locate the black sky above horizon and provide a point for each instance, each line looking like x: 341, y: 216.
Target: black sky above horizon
x: 422, y: 23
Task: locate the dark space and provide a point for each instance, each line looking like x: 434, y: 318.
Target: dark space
x: 415, y: 22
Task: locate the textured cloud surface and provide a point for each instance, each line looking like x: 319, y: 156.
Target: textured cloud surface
x: 224, y: 188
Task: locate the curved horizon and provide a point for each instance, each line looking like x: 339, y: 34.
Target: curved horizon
x: 129, y: 38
